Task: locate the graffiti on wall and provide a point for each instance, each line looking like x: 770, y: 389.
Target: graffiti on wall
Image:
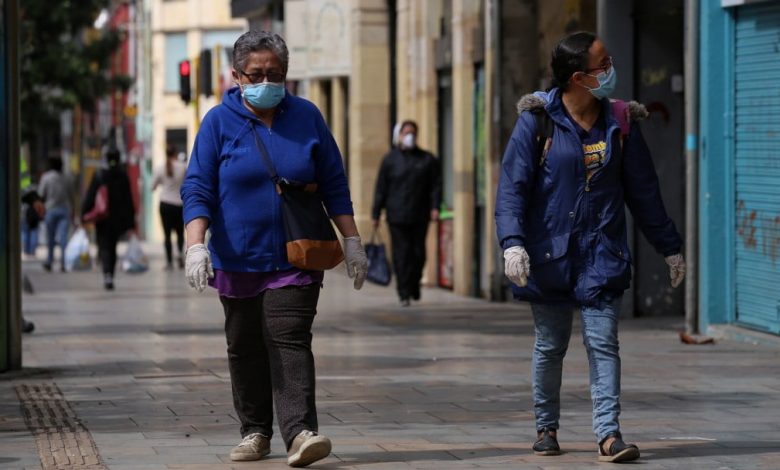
x: 759, y: 231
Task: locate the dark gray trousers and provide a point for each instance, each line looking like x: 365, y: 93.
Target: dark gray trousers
x: 408, y: 257
x: 270, y: 359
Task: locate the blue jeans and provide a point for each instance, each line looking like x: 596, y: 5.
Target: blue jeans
x: 600, y: 336
x: 29, y: 239
x: 57, y: 231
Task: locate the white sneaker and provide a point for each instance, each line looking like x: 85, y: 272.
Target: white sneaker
x: 253, y: 447
x: 307, y: 448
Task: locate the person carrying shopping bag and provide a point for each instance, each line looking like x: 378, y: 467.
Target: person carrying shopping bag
x: 109, y: 191
x: 408, y: 189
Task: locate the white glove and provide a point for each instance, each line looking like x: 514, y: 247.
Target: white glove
x: 517, y: 265
x: 357, y: 263
x: 676, y: 268
x: 198, y: 266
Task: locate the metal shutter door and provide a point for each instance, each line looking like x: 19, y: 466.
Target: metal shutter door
x: 757, y: 166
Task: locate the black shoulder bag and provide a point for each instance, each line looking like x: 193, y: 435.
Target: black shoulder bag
x: 311, y: 241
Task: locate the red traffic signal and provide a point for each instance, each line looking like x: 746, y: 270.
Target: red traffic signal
x: 184, y: 81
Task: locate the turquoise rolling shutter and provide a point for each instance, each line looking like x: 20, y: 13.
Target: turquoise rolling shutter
x: 757, y: 166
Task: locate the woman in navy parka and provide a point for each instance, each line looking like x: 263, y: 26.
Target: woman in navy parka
x: 573, y: 162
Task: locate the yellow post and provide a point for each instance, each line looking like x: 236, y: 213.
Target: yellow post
x: 464, y: 15
x: 196, y: 98
x: 218, y: 68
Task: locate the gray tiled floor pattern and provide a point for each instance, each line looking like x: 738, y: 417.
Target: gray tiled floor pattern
x: 444, y: 384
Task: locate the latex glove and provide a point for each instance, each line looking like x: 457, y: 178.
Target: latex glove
x: 357, y: 263
x: 676, y: 268
x: 517, y: 265
x: 198, y: 266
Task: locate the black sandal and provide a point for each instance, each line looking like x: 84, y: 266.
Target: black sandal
x: 547, y: 442
x: 618, y: 451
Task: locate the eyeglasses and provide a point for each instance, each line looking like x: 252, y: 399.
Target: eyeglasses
x: 259, y: 77
x: 605, y: 65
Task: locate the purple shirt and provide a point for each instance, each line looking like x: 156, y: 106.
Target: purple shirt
x: 241, y: 285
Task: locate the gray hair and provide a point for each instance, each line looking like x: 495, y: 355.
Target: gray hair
x: 254, y: 41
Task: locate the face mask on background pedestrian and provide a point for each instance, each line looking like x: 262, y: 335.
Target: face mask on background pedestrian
x: 607, y: 82
x: 264, y: 95
x: 408, y: 141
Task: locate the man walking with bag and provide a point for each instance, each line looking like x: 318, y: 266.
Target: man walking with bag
x: 409, y: 189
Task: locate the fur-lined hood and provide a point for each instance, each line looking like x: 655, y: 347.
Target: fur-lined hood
x: 538, y: 100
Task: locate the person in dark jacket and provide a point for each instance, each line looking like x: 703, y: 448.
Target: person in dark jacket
x: 121, y: 212
x: 269, y: 304
x: 408, y: 188
x: 560, y: 220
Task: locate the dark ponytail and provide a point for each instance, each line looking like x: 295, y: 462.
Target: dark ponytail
x: 170, y: 154
x: 569, y: 56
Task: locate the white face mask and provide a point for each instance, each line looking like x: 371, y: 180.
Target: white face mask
x: 408, y: 141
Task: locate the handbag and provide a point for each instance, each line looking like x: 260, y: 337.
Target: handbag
x: 100, y: 210
x: 311, y: 241
x: 378, y: 266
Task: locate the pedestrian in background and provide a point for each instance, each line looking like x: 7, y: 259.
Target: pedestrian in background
x: 269, y: 305
x: 408, y: 188
x: 31, y: 214
x: 56, y: 190
x: 170, y: 176
x: 121, y: 213
x: 561, y: 222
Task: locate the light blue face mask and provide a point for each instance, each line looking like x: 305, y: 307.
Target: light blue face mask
x: 607, y: 83
x: 264, y: 95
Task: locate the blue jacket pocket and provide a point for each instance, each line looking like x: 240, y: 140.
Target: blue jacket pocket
x: 613, y: 263
x: 550, y: 267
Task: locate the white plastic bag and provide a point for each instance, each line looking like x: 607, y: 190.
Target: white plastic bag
x: 77, y: 252
x: 134, y: 261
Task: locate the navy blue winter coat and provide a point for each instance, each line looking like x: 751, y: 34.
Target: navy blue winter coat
x: 575, y: 233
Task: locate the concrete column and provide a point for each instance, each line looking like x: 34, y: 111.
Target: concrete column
x: 616, y: 29
x: 520, y: 60
x: 425, y: 90
x: 369, y: 102
x: 464, y: 17
x: 338, y: 116
x: 316, y: 94
x: 417, y: 89
x: 404, y: 37
x: 492, y: 152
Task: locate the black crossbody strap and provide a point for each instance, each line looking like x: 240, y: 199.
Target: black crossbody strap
x: 264, y: 153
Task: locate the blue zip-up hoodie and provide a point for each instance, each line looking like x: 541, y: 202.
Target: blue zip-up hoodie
x: 228, y: 184
x: 575, y: 232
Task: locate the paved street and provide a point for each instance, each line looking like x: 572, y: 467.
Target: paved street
x: 137, y: 379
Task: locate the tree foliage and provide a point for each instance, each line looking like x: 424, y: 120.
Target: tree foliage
x: 64, y: 60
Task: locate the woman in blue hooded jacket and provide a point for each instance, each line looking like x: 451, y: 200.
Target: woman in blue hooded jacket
x: 269, y: 305
x: 573, y: 162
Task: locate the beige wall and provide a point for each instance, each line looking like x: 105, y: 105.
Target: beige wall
x: 168, y: 111
x: 369, y: 104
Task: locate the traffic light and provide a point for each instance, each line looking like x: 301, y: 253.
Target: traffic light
x: 185, y: 71
x: 204, y: 73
